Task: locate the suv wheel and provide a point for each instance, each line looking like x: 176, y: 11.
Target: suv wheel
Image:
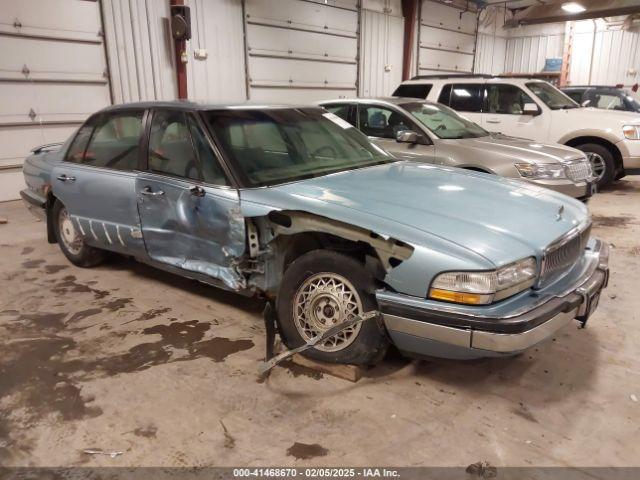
x: 602, y: 162
x: 323, y: 288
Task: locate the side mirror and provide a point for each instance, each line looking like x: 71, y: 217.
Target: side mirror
x: 409, y: 136
x: 530, y: 109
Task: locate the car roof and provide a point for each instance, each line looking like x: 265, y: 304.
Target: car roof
x: 592, y: 87
x: 469, y: 78
x: 380, y: 100
x: 197, y: 106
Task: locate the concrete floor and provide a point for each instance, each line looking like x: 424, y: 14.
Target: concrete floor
x: 126, y: 358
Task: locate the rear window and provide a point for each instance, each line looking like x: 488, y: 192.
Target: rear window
x: 412, y: 90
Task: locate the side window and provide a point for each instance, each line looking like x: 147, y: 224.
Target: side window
x: 506, y: 99
x: 381, y: 122
x: 413, y: 90
x: 341, y: 110
x: 114, y: 143
x: 610, y: 101
x: 466, y: 97
x: 211, y: 170
x: 575, y: 95
x: 170, y: 147
x: 79, y: 144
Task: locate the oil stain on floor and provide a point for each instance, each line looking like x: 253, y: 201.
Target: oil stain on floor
x: 48, y: 355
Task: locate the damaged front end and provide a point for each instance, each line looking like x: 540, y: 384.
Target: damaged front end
x: 275, y: 240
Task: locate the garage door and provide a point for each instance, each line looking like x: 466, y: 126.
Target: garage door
x: 302, y: 50
x: 52, y: 76
x: 447, y: 39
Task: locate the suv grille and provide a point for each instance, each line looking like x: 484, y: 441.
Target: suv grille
x: 578, y: 170
x: 564, y: 252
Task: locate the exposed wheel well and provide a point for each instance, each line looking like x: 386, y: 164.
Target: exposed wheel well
x: 617, y: 156
x: 300, y: 243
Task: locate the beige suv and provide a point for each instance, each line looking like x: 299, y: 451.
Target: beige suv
x: 415, y: 129
x: 534, y: 109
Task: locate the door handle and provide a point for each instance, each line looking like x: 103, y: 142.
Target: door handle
x: 197, y: 191
x: 65, y: 178
x: 148, y: 191
x: 493, y: 120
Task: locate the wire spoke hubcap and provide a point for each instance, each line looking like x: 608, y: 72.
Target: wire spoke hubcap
x: 68, y: 233
x: 322, y: 301
x: 598, y: 165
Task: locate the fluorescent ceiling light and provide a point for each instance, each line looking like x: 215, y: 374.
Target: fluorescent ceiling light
x: 461, y: 92
x: 573, y: 7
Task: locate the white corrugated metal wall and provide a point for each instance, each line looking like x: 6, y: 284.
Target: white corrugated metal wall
x: 216, y: 28
x: 491, y: 47
x: 608, y: 57
x: 140, y: 50
x: 303, y: 50
x: 446, y: 38
x: 529, y: 46
x: 381, y: 44
x: 53, y: 74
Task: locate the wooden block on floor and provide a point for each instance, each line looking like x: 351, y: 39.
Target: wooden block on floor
x: 351, y: 373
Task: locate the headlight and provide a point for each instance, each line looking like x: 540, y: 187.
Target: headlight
x: 544, y: 171
x: 631, y: 132
x: 482, y: 288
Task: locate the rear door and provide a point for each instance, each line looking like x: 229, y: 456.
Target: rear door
x: 382, y: 125
x: 190, y: 215
x: 504, y: 113
x: 96, y: 180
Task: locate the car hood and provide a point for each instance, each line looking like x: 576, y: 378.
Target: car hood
x: 499, y: 219
x: 510, y: 148
x: 600, y: 118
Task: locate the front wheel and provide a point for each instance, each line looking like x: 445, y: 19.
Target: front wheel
x: 323, y: 288
x: 601, y: 160
x: 71, y: 242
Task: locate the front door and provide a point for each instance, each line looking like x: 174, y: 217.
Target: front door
x: 504, y: 113
x: 96, y: 181
x: 190, y: 216
x: 382, y: 125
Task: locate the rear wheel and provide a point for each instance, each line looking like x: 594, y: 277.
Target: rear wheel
x: 71, y: 242
x: 601, y: 160
x: 321, y: 289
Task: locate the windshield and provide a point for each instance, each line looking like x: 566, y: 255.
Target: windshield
x: 284, y: 144
x: 551, y: 96
x: 444, y: 122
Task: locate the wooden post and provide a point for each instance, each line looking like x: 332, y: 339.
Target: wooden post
x: 410, y: 12
x: 180, y: 47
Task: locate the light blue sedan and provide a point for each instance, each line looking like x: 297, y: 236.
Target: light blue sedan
x: 296, y: 205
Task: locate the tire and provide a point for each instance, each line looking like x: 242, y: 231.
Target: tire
x: 602, y: 162
x: 311, y: 281
x: 70, y: 241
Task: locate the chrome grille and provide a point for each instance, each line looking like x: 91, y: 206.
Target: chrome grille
x: 578, y: 170
x: 564, y: 252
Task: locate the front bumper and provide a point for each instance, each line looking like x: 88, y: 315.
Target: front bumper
x: 416, y: 326
x: 581, y: 190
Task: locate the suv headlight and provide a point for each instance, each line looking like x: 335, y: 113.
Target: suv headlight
x: 631, y: 132
x: 482, y: 288
x: 543, y: 171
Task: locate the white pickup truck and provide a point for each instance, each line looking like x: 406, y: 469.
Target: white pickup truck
x: 535, y: 109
